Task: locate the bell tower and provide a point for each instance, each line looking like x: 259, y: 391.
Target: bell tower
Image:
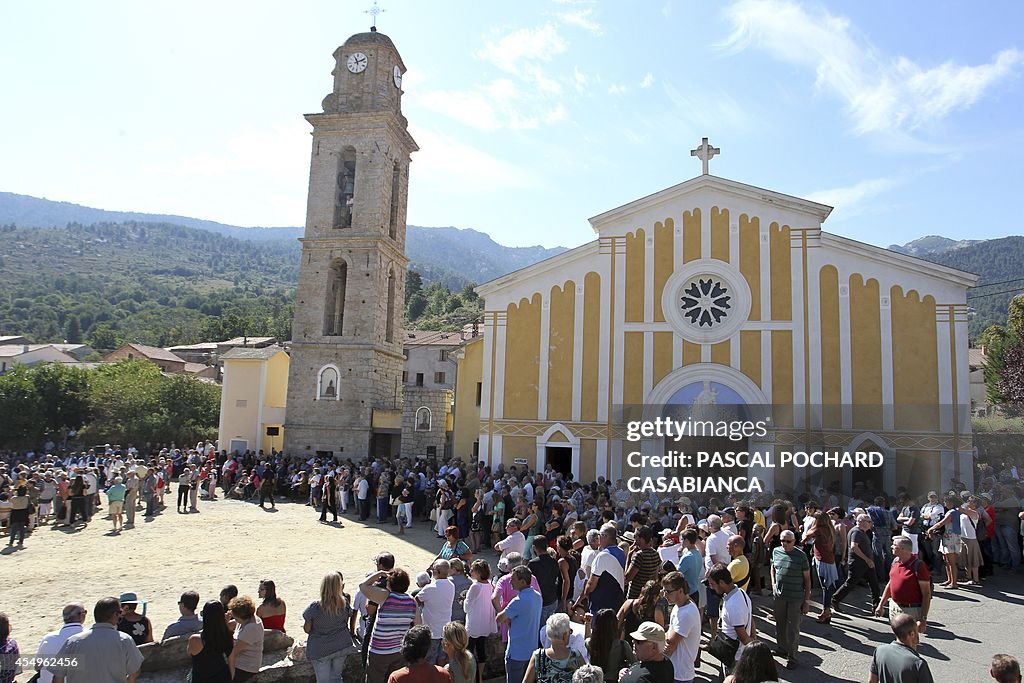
x: 344, y: 381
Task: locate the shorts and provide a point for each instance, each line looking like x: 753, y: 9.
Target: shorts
x: 950, y: 544
x: 115, y: 507
x: 478, y: 646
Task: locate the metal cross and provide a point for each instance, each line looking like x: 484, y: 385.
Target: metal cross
x: 704, y: 152
x: 374, y: 11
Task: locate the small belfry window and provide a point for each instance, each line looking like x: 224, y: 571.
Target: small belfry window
x: 334, y: 304
x: 423, y: 419
x: 396, y: 176
x: 345, y: 191
x: 327, y: 383
x: 389, y: 330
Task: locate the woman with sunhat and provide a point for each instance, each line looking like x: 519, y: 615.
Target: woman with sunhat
x: 137, y: 625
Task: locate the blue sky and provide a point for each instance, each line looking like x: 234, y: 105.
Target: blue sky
x: 907, y: 117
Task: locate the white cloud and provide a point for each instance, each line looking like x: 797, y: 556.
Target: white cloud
x: 499, y: 104
x: 616, y: 89
x: 881, y: 94
x: 648, y: 80
x: 445, y: 165
x: 544, y: 82
x: 713, y: 109
x: 259, y: 169
x: 527, y: 45
x: 582, y: 19
x: 557, y: 114
x: 579, y: 79
x: 471, y: 108
x: 850, y: 197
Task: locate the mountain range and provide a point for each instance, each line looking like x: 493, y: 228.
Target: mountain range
x: 60, y: 260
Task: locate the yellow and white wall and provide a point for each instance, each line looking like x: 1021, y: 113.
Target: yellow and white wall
x: 851, y: 344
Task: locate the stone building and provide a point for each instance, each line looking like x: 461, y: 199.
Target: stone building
x: 345, y: 391
x: 429, y: 383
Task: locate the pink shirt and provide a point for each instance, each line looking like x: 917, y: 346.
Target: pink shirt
x: 505, y: 592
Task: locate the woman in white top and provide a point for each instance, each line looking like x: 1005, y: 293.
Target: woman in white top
x: 480, y: 613
x: 970, y: 519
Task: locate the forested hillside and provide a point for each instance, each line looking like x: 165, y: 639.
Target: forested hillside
x: 999, y: 262
x: 151, y: 283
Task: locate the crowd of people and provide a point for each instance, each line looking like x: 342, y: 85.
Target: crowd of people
x: 576, y: 579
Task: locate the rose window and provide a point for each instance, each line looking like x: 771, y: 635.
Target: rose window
x: 705, y: 302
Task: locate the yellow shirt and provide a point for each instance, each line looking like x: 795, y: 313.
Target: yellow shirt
x: 739, y: 568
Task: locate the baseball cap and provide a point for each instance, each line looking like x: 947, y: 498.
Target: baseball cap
x: 649, y: 631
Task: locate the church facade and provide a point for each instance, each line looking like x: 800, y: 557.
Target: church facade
x: 714, y: 291
x: 345, y: 394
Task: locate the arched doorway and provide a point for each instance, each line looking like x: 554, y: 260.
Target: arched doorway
x: 710, y: 392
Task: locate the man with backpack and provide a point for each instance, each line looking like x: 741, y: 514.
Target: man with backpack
x: 909, y: 590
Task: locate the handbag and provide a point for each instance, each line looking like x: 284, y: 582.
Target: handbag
x: 723, y: 648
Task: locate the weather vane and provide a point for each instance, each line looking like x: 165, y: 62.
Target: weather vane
x: 373, y: 12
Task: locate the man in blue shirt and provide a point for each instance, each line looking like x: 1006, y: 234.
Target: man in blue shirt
x: 522, y: 615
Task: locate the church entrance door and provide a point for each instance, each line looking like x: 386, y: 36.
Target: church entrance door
x: 560, y: 458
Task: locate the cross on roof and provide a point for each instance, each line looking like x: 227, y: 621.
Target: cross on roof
x: 373, y: 12
x: 704, y: 152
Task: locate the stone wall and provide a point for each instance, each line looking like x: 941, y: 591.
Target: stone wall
x: 439, y: 401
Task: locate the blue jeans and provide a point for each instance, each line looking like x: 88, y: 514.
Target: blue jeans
x: 1006, y: 545
x: 17, y: 529
x: 329, y: 669
x: 515, y: 669
x: 545, y: 612
x: 435, y: 650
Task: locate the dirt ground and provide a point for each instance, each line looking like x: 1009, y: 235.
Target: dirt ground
x: 227, y: 541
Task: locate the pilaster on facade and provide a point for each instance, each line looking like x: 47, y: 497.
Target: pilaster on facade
x: 543, y: 352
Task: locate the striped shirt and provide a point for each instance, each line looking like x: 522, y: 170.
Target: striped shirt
x: 648, y: 562
x: 394, y: 617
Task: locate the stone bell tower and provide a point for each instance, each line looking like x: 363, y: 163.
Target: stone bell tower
x: 345, y: 377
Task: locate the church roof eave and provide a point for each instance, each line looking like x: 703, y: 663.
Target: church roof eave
x: 893, y: 258
x: 547, y: 265
x: 813, y: 209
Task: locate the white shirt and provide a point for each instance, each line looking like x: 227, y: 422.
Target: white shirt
x: 606, y: 562
x: 437, y: 598
x: 528, y: 489
x: 513, y: 543
x: 685, y: 621
x: 736, y: 611
x: 717, y: 549
x: 587, y: 559
x: 364, y: 489
x: 51, y: 645
x: 479, y: 610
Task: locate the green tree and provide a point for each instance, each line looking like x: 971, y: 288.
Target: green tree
x: 63, y: 395
x: 73, y: 330
x: 102, y: 336
x: 20, y: 412
x: 413, y: 284
x: 192, y: 406
x: 126, y: 400
x: 1004, y: 361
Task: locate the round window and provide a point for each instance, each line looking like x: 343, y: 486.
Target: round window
x: 706, y: 301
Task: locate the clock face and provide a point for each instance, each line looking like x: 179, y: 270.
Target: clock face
x: 398, y: 76
x: 356, y: 62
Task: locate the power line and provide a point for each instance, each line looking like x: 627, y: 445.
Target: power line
x: 1009, y: 291
x: 1001, y: 282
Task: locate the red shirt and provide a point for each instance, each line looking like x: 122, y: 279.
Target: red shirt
x: 903, y: 581
x: 421, y: 673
